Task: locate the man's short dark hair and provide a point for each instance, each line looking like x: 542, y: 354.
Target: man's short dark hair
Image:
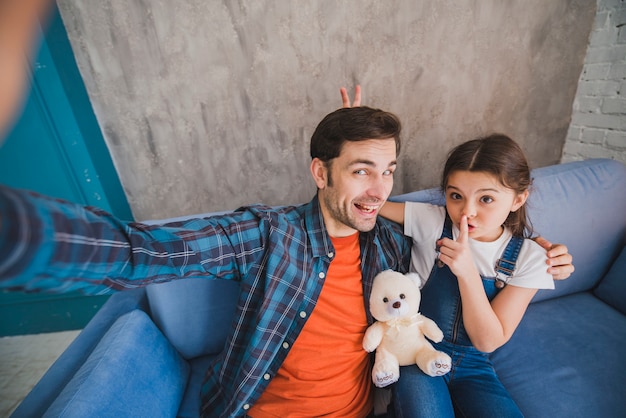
x: 353, y: 124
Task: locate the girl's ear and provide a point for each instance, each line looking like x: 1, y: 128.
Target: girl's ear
x: 319, y: 173
x: 519, y: 200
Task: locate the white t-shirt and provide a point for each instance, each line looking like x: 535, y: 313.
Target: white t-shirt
x: 424, y: 222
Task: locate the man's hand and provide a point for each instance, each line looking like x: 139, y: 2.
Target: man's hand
x: 559, y: 260
x: 345, y: 98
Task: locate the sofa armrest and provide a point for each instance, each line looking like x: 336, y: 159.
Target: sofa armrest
x: 65, y: 367
x: 612, y: 288
x: 133, y: 371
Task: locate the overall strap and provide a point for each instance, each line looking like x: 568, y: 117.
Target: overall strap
x: 505, y: 265
x: 447, y: 227
x: 446, y: 233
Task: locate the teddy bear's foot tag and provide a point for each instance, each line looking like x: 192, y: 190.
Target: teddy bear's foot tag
x: 383, y: 379
x: 439, y: 366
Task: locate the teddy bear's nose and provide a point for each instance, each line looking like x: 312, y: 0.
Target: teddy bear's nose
x: 396, y: 305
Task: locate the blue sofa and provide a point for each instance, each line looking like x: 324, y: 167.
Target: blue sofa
x: 146, y: 350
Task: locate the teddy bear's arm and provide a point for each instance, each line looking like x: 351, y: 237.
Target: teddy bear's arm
x: 431, y: 330
x: 373, y: 336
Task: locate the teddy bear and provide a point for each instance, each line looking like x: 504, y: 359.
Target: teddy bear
x: 398, y: 335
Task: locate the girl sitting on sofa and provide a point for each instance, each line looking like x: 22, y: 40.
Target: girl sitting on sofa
x: 482, y: 270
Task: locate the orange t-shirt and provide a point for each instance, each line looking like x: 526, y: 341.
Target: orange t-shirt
x: 327, y: 372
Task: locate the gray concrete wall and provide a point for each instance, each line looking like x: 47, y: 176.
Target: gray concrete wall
x: 207, y: 105
x: 598, y: 127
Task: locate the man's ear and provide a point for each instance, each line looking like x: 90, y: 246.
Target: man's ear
x: 519, y: 201
x: 319, y: 171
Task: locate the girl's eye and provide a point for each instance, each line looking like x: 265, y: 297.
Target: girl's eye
x: 455, y: 196
x: 486, y: 199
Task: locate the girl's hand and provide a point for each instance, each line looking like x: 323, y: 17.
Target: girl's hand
x: 345, y: 98
x: 457, y: 254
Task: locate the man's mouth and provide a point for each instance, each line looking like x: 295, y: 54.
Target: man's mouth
x: 367, y: 209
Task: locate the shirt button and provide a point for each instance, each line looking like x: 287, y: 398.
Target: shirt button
x: 266, y: 376
x: 285, y: 345
x: 246, y: 407
x: 331, y: 254
x: 321, y: 275
x: 302, y: 314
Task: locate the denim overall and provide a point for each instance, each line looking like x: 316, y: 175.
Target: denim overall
x: 471, y: 388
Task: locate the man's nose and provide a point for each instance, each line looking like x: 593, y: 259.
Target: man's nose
x: 380, y: 187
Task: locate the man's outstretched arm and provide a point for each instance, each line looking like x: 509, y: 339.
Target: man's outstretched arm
x: 51, y: 245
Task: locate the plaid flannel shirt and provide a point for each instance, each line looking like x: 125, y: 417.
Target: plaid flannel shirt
x: 280, y: 256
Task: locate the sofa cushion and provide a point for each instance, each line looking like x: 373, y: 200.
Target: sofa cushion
x: 133, y: 371
x: 612, y: 288
x: 190, y: 404
x: 582, y: 205
x: 65, y: 367
x: 566, y: 359
x: 194, y: 314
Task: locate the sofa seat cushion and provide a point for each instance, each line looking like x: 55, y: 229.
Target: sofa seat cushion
x: 566, y: 359
x: 612, y: 288
x: 134, y: 371
x: 194, y: 314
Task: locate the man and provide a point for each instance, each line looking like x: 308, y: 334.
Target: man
x: 321, y: 255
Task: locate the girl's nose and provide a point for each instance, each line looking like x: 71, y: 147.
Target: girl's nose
x: 469, y: 210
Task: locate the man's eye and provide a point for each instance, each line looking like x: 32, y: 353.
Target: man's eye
x: 360, y: 172
x: 388, y: 173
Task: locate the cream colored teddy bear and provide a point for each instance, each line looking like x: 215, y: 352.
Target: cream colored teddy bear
x: 398, y: 334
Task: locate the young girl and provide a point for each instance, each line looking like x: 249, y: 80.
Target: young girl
x: 482, y: 273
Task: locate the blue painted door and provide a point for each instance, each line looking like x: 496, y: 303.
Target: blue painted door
x: 56, y: 148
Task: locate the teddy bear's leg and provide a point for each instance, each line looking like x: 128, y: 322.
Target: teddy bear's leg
x: 433, y: 362
x: 386, y: 368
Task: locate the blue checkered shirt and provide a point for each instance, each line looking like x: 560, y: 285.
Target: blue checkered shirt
x: 280, y: 256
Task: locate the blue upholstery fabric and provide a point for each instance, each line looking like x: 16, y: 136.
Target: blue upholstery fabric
x: 591, y: 219
x: 567, y: 359
x: 190, y: 406
x: 194, y: 314
x: 57, y: 377
x: 122, y: 378
x: 612, y: 289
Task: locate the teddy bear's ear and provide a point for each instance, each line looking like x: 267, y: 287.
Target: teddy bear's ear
x: 415, y: 278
